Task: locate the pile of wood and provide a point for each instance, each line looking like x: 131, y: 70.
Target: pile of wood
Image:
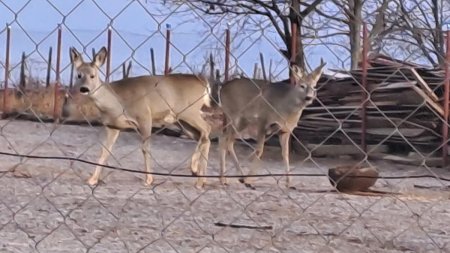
x: 404, y: 108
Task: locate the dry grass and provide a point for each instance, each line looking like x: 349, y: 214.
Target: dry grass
x: 39, y: 103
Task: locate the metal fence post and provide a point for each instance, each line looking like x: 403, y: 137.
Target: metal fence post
x: 227, y: 54
x: 167, y: 59
x: 5, y: 88
x: 293, y: 49
x: 446, y: 103
x: 108, y: 58
x: 58, y: 74
x: 364, y: 88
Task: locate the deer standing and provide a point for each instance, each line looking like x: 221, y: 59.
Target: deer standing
x: 139, y: 102
x: 263, y: 106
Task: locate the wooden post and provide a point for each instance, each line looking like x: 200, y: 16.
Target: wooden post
x: 270, y: 70
x: 364, y: 91
x: 227, y: 54
x: 108, y: 59
x: 255, y: 71
x: 5, y: 91
x: 22, y: 81
x: 446, y: 103
x: 263, y: 68
x: 211, y: 67
x: 49, y: 67
x: 58, y: 74
x: 152, y: 61
x: 167, y: 59
x: 71, y: 77
x: 293, y: 49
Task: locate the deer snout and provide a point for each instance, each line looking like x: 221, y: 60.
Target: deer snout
x: 84, y: 90
x: 309, y: 98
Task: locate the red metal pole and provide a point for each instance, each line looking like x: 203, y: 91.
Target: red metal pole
x: 446, y: 103
x: 293, y: 49
x: 166, y: 66
x: 227, y: 54
x: 364, y: 90
x: 58, y: 74
x: 108, y: 59
x: 5, y: 90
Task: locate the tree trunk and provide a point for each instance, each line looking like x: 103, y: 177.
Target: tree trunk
x: 295, y: 18
x: 355, y: 23
x: 438, y: 33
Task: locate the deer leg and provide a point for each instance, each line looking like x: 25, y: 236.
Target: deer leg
x: 200, y: 156
x: 226, y: 143
x: 284, y: 142
x: 233, y: 153
x: 223, y: 142
x: 146, y: 133
x: 256, y: 157
x: 108, y: 142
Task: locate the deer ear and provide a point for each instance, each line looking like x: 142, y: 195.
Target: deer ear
x: 100, y: 57
x: 75, y: 57
x: 315, y: 75
x: 298, y: 72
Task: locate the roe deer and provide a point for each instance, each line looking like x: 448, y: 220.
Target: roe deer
x: 139, y: 102
x: 263, y: 105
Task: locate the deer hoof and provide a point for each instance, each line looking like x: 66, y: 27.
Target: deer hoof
x: 248, y: 185
x: 199, y: 185
x: 148, y: 181
x: 224, y: 180
x: 92, y: 181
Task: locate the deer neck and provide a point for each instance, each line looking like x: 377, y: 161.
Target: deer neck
x: 107, y: 101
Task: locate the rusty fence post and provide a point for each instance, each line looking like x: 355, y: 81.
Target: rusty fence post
x: 58, y: 74
x: 227, y: 67
x: 22, y: 80
x: 293, y: 50
x: 446, y: 103
x: 227, y: 54
x: 108, y: 58
x: 5, y: 88
x: 364, y: 94
x: 167, y: 59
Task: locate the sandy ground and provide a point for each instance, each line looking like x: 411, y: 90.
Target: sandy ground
x: 54, y: 210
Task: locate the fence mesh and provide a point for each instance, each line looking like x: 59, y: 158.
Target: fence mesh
x: 365, y: 140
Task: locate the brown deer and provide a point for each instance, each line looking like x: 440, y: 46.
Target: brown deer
x: 266, y: 107
x: 139, y: 103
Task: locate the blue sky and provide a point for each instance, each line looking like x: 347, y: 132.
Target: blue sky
x: 137, y: 27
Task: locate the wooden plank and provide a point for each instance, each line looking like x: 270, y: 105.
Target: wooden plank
x: 338, y: 150
x: 424, y: 85
x: 407, y: 132
x: 430, y: 161
x: 433, y: 104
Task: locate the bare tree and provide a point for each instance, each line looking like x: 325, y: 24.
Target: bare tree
x: 280, y: 13
x: 346, y: 17
x: 407, y: 29
x: 421, y: 23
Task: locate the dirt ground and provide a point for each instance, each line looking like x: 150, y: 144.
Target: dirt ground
x: 46, y: 206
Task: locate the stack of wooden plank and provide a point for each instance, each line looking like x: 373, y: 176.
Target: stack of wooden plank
x: 404, y: 107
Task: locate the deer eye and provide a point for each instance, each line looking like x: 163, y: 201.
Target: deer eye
x: 79, y: 76
x: 92, y: 76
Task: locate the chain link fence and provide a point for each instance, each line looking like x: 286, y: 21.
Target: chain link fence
x: 367, y: 158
